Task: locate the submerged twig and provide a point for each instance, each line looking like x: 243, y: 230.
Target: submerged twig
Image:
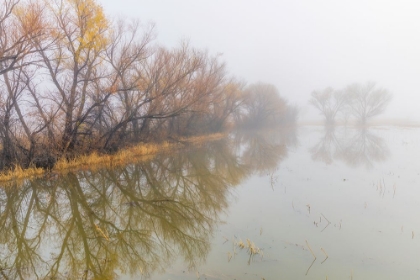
x: 326, y: 255
x: 325, y: 218
x: 312, y: 252
x: 229, y: 256
x: 310, y: 266
x: 328, y: 222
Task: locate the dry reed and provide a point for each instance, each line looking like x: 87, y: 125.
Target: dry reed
x: 19, y: 174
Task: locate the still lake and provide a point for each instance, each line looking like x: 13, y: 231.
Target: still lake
x: 301, y: 203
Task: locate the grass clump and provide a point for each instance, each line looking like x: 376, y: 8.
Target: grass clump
x: 250, y: 247
x: 18, y: 173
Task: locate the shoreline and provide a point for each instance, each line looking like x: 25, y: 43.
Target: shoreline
x: 94, y: 161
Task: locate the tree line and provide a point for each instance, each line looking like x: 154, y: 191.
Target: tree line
x: 362, y: 101
x: 72, y: 81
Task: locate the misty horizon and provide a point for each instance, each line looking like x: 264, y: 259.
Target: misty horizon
x: 299, y: 47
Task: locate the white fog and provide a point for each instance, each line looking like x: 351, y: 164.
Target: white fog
x: 299, y: 46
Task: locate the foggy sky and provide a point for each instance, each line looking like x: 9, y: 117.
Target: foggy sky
x: 299, y: 45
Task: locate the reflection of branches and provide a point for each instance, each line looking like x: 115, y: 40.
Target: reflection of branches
x: 17, y: 219
x: 263, y: 150
x: 362, y: 147
x: 327, y: 147
x: 89, y: 225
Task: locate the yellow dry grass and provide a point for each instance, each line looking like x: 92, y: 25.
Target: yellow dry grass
x: 18, y: 174
x: 96, y: 161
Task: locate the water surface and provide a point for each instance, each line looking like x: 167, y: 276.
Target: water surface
x: 305, y: 203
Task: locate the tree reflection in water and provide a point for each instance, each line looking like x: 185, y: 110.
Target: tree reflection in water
x: 355, y: 147
x: 132, y: 220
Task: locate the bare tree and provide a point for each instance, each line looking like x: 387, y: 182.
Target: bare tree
x: 79, y: 36
x: 174, y: 89
x: 20, y: 23
x: 367, y: 101
x: 224, y: 109
x: 329, y: 102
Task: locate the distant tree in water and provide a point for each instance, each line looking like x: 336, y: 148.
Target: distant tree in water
x: 363, y: 101
x: 329, y: 102
x: 366, y: 101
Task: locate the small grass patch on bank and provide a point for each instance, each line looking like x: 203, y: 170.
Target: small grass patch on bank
x: 18, y: 174
x: 94, y: 161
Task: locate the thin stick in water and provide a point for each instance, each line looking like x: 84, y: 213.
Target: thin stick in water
x: 326, y: 255
x: 307, y: 271
x: 325, y: 218
x: 312, y: 252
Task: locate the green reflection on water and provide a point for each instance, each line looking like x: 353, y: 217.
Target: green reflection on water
x: 132, y: 220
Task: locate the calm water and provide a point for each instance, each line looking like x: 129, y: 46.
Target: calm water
x: 307, y: 203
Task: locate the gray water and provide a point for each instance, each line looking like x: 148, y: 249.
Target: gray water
x: 304, y: 203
